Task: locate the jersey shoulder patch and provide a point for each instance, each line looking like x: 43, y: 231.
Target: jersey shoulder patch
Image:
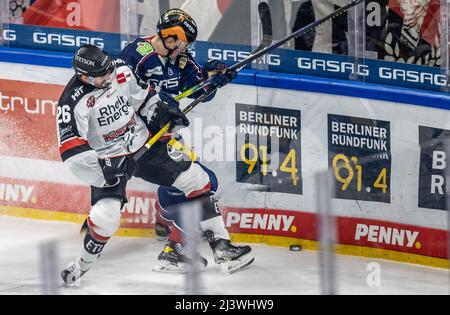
x: 144, y: 48
x: 124, y: 76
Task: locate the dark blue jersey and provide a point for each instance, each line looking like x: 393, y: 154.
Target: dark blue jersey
x: 172, y: 75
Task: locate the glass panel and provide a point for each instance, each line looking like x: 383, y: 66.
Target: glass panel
x: 4, y: 15
x: 4, y: 18
x: 445, y: 41
x: 355, y: 45
x: 356, y: 39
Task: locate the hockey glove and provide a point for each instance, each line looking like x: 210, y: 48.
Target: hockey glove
x: 168, y: 110
x: 114, y: 168
x: 219, y: 74
x: 167, y: 98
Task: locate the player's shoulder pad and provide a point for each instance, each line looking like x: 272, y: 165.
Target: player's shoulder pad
x: 74, y: 92
x: 120, y: 63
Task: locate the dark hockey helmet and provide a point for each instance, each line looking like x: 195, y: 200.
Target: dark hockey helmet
x: 177, y: 23
x: 92, y: 61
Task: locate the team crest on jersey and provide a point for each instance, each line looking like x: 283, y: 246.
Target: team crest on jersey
x: 170, y: 71
x: 124, y: 77
x: 144, y: 48
x: 91, y: 101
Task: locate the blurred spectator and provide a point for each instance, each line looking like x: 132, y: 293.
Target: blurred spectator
x: 413, y: 32
x: 405, y: 31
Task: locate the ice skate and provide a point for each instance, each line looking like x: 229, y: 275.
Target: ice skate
x: 230, y: 257
x: 72, y: 274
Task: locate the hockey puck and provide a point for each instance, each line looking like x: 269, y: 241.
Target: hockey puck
x: 295, y: 248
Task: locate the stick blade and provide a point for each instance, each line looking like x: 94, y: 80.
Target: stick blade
x: 266, y: 18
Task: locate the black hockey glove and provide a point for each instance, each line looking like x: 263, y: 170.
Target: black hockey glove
x: 114, y: 168
x: 219, y: 74
x: 168, y: 98
x: 168, y: 110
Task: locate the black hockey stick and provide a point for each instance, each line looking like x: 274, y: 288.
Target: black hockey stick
x: 255, y: 55
x: 266, y: 24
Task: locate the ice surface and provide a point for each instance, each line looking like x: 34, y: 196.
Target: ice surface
x: 125, y: 268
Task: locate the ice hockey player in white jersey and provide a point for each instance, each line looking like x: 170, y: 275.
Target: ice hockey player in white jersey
x: 99, y: 129
x: 104, y: 117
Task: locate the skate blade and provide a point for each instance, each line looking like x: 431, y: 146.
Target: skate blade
x: 167, y: 267
x: 232, y: 266
x: 74, y: 284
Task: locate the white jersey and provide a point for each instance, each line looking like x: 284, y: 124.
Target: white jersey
x: 98, y: 123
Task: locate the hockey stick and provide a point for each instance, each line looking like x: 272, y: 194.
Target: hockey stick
x: 238, y: 66
x: 266, y: 23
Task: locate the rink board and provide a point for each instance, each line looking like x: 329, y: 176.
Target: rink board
x: 381, y: 214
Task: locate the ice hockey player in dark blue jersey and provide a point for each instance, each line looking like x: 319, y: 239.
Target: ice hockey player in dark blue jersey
x: 164, y: 61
